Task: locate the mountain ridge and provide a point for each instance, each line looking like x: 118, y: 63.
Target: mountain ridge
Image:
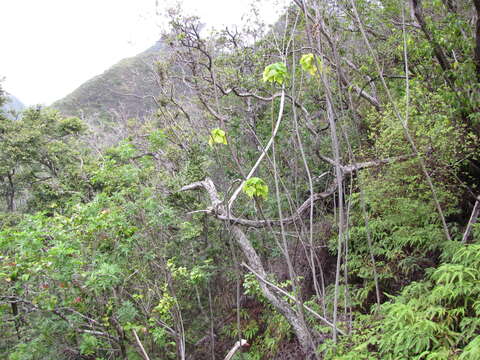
x: 13, y: 106
x: 125, y: 90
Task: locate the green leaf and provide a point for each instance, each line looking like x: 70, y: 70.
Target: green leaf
x: 471, y: 350
x: 255, y: 187
x: 276, y: 72
x: 88, y: 344
x: 157, y: 139
x: 217, y: 136
x: 307, y: 62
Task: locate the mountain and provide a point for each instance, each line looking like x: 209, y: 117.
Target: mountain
x: 13, y: 106
x: 126, y: 90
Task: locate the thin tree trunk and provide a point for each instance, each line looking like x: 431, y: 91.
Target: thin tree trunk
x: 477, y: 39
x: 437, y: 49
x: 10, y: 193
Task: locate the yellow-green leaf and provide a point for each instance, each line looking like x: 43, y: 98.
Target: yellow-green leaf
x: 217, y: 136
x: 255, y: 187
x: 276, y: 72
x: 308, y: 63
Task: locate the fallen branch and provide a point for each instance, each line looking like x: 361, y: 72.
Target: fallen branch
x: 208, y: 185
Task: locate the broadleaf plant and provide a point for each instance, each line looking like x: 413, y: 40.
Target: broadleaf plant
x: 255, y: 187
x: 217, y: 136
x: 276, y: 72
x: 307, y: 61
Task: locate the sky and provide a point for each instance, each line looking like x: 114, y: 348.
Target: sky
x: 50, y: 47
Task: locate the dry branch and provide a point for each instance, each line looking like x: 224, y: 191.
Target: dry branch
x: 139, y: 343
x: 208, y: 185
x: 472, y: 221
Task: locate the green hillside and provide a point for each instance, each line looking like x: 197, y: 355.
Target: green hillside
x: 123, y: 91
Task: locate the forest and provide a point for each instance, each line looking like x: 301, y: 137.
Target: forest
x: 308, y: 190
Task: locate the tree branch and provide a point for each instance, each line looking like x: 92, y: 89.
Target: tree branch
x: 283, y: 292
x: 144, y: 353
x: 472, y: 221
x: 437, y: 49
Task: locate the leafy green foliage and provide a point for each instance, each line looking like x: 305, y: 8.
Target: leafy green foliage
x: 217, y: 136
x: 471, y: 350
x: 255, y: 187
x: 157, y: 140
x: 88, y: 345
x: 275, y: 73
x: 39, y: 154
x: 307, y: 61
x: 435, y: 318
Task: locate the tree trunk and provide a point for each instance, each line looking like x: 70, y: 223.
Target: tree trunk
x: 303, y: 335
x: 10, y: 196
x: 437, y: 49
x: 477, y: 40
x: 294, y: 319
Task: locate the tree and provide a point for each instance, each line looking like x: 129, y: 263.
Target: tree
x: 37, y: 152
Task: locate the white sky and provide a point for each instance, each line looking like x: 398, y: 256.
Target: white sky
x: 50, y: 47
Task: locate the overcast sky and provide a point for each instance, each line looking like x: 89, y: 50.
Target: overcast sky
x: 50, y: 47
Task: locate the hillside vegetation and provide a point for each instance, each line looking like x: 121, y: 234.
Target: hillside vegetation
x: 126, y: 90
x: 312, y: 190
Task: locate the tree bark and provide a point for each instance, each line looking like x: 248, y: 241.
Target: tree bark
x: 279, y: 304
x: 10, y: 193
x: 477, y: 39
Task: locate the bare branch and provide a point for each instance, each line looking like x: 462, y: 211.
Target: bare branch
x: 59, y: 312
x: 472, y: 221
x: 283, y: 292
x: 144, y: 353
